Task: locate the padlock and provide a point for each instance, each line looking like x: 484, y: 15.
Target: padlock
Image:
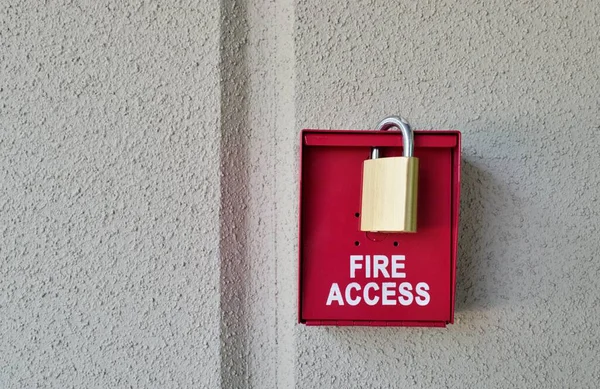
x: 389, y: 191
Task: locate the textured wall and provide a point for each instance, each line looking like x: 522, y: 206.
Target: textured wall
x: 109, y: 188
x: 148, y: 189
x: 520, y: 80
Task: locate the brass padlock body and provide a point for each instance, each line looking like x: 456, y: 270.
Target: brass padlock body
x: 389, y: 194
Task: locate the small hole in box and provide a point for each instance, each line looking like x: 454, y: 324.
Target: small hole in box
x: 357, y: 214
x: 357, y: 243
x: 396, y: 244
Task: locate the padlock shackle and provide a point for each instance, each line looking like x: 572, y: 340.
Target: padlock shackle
x: 408, y: 142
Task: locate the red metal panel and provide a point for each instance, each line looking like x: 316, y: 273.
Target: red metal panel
x: 456, y: 168
x: 376, y: 323
x: 331, y: 177
x: 370, y: 139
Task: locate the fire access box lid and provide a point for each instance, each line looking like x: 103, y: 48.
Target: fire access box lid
x: 350, y: 277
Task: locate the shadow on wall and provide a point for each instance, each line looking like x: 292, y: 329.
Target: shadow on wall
x: 234, y: 195
x: 474, y: 283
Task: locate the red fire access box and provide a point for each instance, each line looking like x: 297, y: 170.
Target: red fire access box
x: 349, y: 277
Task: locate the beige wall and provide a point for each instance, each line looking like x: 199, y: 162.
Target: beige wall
x: 148, y: 189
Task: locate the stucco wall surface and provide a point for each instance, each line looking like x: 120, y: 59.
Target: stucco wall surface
x: 148, y: 189
x: 109, y: 188
x: 520, y: 80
